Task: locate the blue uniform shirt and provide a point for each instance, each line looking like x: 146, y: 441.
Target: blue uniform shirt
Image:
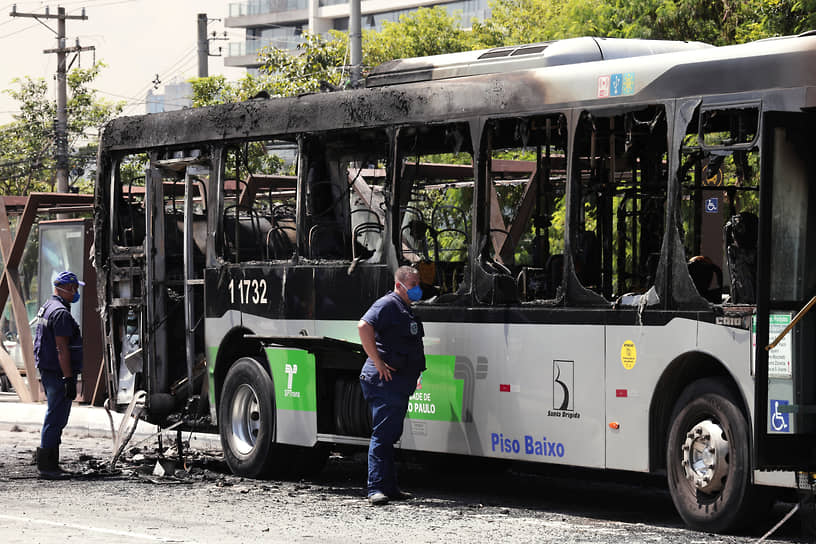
x: 55, y: 319
x: 397, y: 332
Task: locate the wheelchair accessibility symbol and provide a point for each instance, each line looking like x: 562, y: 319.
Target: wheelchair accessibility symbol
x: 712, y: 205
x: 780, y: 421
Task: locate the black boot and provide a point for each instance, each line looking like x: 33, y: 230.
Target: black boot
x: 48, y: 464
x: 56, y: 463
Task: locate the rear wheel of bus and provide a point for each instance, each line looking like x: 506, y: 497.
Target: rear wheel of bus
x: 246, y: 419
x: 708, y: 461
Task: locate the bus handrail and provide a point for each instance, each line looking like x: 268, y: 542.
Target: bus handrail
x: 793, y: 322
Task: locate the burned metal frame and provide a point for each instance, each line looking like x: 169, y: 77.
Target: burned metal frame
x: 28, y: 208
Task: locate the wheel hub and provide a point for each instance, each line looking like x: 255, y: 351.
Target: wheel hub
x: 245, y: 419
x: 705, y: 456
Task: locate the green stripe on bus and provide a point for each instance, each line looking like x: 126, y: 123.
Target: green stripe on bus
x: 439, y: 395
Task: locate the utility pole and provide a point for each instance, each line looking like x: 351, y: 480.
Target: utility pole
x: 356, y: 42
x: 203, y: 46
x: 61, y: 124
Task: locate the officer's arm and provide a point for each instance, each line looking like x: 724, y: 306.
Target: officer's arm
x: 64, y: 355
x: 366, y: 332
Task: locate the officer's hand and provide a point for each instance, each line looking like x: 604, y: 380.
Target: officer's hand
x: 70, y: 387
x: 384, y: 370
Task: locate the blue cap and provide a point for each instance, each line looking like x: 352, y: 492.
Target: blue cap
x: 67, y: 277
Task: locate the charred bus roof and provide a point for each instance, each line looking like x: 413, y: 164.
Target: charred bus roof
x: 521, y: 57
x: 751, y: 70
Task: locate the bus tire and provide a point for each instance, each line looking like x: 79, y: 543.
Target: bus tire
x: 246, y: 419
x: 708, y: 463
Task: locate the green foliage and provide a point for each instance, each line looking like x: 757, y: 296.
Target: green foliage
x: 700, y: 20
x: 420, y: 33
x: 317, y: 65
x: 515, y: 22
x: 723, y: 22
x: 321, y: 63
x: 209, y: 91
x: 27, y: 144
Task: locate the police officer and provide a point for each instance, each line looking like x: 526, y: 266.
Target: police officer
x: 392, y: 338
x: 58, y: 352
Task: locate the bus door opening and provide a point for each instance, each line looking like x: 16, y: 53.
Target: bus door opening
x: 785, y: 399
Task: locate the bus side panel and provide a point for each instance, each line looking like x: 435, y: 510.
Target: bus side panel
x: 293, y: 374
x: 530, y: 392
x: 733, y: 347
x: 635, y: 359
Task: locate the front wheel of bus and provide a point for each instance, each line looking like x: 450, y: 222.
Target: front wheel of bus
x: 246, y: 419
x: 708, y: 462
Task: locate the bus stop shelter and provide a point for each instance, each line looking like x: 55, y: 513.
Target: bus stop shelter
x: 28, y: 210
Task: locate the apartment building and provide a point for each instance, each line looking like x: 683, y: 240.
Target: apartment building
x: 280, y: 23
x: 177, y: 95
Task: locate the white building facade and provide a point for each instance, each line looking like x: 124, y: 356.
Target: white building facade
x: 280, y: 23
x: 177, y: 95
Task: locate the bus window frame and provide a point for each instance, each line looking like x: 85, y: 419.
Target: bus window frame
x: 575, y: 293
x: 489, y: 126
x: 401, y: 191
x: 709, y: 104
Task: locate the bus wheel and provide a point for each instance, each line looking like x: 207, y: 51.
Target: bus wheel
x: 707, y: 460
x: 246, y: 419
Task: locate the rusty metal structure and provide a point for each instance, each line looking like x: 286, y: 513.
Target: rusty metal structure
x: 29, y: 209
x: 603, y: 229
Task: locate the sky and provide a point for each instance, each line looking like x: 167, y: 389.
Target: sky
x: 135, y: 38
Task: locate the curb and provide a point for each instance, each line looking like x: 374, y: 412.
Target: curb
x: 89, y: 421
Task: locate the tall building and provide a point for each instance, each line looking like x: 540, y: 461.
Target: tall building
x: 280, y: 23
x: 178, y: 95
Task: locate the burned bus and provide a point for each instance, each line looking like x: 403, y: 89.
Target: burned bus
x: 610, y: 235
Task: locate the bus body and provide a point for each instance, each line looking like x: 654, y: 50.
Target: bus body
x: 608, y: 238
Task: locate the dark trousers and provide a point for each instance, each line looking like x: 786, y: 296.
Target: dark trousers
x: 389, y: 404
x: 59, y: 407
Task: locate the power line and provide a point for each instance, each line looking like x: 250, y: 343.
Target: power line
x: 61, y: 122
x: 9, y: 35
x: 182, y: 59
x: 179, y: 66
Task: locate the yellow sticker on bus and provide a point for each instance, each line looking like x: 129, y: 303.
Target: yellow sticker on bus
x: 628, y: 355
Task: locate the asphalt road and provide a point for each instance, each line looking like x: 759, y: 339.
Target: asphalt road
x: 452, y: 504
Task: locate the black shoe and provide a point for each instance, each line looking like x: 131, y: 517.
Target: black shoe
x: 48, y: 464
x: 400, y: 495
x: 378, y: 499
x: 45, y: 474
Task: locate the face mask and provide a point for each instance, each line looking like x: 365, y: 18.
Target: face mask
x: 415, y: 293
x: 74, y: 299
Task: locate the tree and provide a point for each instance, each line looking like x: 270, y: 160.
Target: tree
x: 777, y: 18
x: 208, y: 91
x: 516, y: 22
x: 321, y: 63
x: 27, y: 144
x: 722, y: 22
x: 699, y: 20
x: 420, y: 33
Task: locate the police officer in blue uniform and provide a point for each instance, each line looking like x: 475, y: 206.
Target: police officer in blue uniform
x: 58, y: 352
x: 392, y: 338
